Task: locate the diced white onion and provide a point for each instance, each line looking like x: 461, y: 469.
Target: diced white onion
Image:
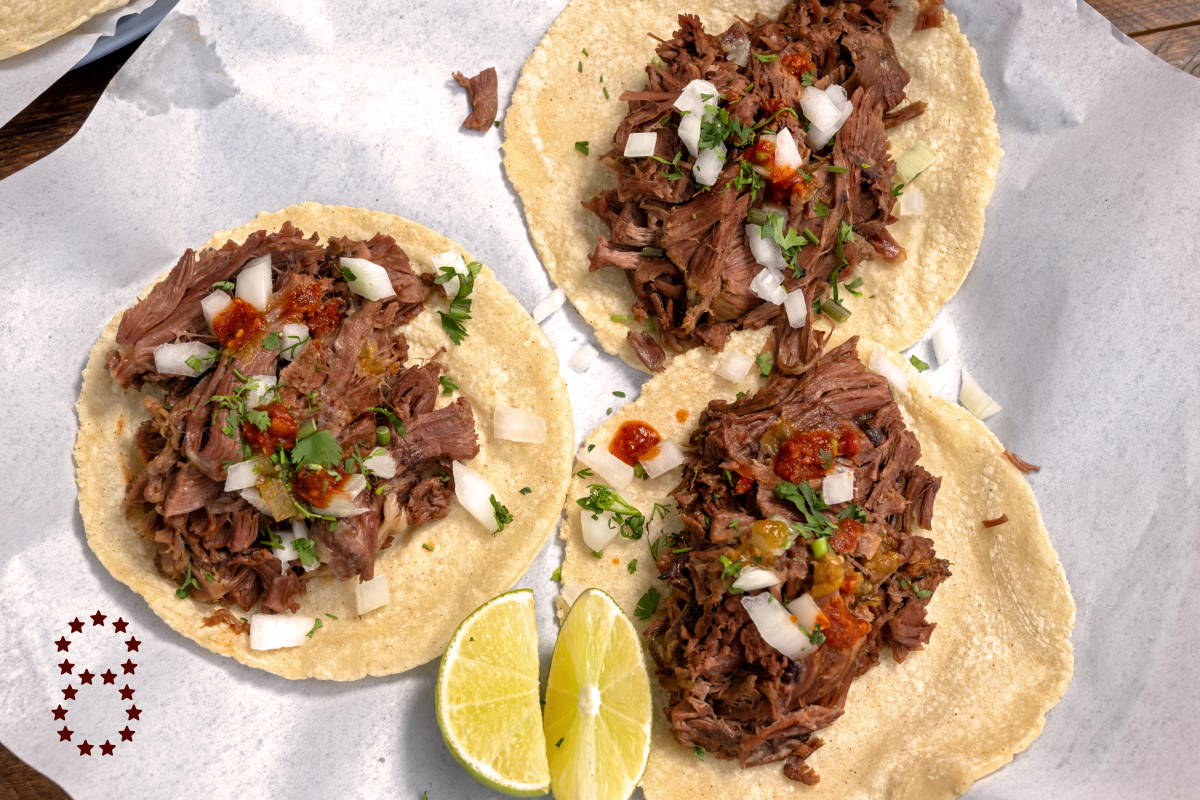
x: 548, y: 304
x: 796, y: 308
x: 518, y: 425
x: 254, y: 283
x: 252, y: 497
x: 640, y: 145
x: 171, y: 359
x: 752, y: 578
x: 272, y: 631
x: 342, y: 503
x: 370, y: 595
x: 837, y: 94
x: 912, y: 202
x: 805, y: 610
x: 691, y: 100
x: 571, y: 591
x: 708, y: 165
x: 598, y: 529
x: 739, y: 52
x: 766, y: 250
x: 293, y: 334
x: 975, y: 399
x: 370, y: 280
x: 669, y: 457
x: 241, y: 476
x: 769, y: 287
x: 882, y: 365
x: 819, y: 108
x: 838, y: 488
x: 475, y: 494
x: 915, y: 160
x: 583, y: 358
x: 616, y: 472
x: 945, y: 341
x: 454, y: 260
x: 820, y: 134
x: 214, y: 304
x: 735, y: 366
x: 787, y: 155
x: 777, y: 627
x: 258, y: 385
x: 380, y: 463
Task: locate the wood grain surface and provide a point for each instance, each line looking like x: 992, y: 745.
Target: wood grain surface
x: 1168, y: 28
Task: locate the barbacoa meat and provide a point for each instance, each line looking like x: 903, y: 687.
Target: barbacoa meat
x: 216, y: 544
x: 481, y: 94
x: 730, y: 692
x: 682, y: 246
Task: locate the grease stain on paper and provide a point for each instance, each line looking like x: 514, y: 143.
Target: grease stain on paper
x: 182, y: 70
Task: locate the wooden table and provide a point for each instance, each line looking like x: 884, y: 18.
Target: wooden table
x: 1168, y: 28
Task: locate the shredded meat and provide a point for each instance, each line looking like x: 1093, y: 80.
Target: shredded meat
x: 692, y: 286
x: 216, y: 542
x: 481, y: 94
x: 930, y: 15
x: 730, y: 691
x: 1000, y: 520
x: 1020, y: 463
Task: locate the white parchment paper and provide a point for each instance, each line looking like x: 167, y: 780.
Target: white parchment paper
x: 23, y: 77
x: 1079, y: 317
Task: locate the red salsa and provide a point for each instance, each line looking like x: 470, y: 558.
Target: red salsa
x: 238, y: 323
x: 804, y: 456
x: 280, y: 432
x: 302, y: 303
x: 842, y: 629
x: 317, y: 485
x: 846, y: 538
x: 798, y: 63
x: 633, y: 440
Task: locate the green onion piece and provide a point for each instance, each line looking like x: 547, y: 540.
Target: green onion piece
x: 757, y: 216
x: 383, y: 435
x: 914, y: 161
x: 582, y: 147
x: 835, y: 310
x: 307, y: 429
x: 918, y: 363
x: 820, y: 547
x: 652, y: 252
x: 619, y: 318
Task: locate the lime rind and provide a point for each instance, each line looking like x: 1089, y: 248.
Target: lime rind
x: 488, y: 686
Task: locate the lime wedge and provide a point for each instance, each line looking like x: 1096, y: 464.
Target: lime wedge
x: 487, y: 697
x: 598, y: 708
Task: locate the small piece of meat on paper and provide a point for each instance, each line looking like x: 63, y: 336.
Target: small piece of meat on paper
x: 1000, y: 520
x: 481, y: 94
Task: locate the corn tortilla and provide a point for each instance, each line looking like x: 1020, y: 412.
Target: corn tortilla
x: 24, y: 24
x: 505, y: 360
x: 951, y: 713
x: 555, y: 106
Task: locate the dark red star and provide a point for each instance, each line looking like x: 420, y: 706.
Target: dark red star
x: 128, y: 666
x: 65, y: 735
x: 98, y: 619
x: 69, y: 693
x: 134, y: 712
x: 63, y: 644
x: 126, y: 693
x: 76, y: 626
x: 132, y: 644
x: 86, y: 677
x: 120, y: 625
x: 107, y: 748
x: 60, y: 712
x: 109, y: 676
x: 85, y: 749
x: 66, y: 667
x: 127, y: 735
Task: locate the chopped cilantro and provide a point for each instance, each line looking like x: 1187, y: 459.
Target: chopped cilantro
x: 591, y: 447
x: 557, y: 574
x: 718, y: 127
x: 348, y: 274
x: 428, y: 547
x: 816, y: 637
x: 918, y: 363
x: 585, y: 51
x: 581, y: 66
x: 898, y: 190
x: 698, y: 751
x: 495, y: 123
x: 808, y: 77
x: 765, y: 363
x: 331, y: 616
x: 560, y: 741
x: 320, y: 448
x: 618, y: 394
x: 810, y: 504
x: 632, y: 566
x: 448, y: 385
x: 460, y: 306
x: 226, y: 285
x: 304, y: 549
x: 272, y: 341
x: 188, y: 581
x: 647, y: 605
x: 259, y: 419
x: 503, y: 517
x: 765, y: 58
x: 586, y: 472
x: 526, y: 490
x: 631, y: 522
x: 606, y: 97
x: 316, y: 626
x: 820, y: 209
x: 582, y: 147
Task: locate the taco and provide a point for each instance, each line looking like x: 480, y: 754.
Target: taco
x: 347, y: 431
x: 818, y: 589
x: 753, y: 159
x: 28, y: 23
